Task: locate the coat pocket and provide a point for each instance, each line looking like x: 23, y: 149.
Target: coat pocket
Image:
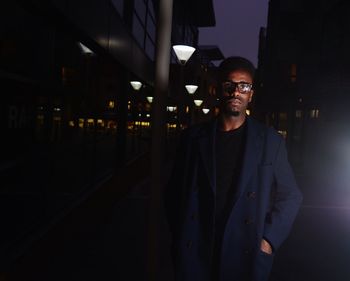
x: 262, y: 266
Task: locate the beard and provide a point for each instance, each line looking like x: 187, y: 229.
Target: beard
x: 232, y: 113
x: 226, y: 109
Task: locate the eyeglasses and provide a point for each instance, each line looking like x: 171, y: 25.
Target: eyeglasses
x: 242, y: 87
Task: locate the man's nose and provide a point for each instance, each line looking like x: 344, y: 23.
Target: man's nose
x: 236, y: 92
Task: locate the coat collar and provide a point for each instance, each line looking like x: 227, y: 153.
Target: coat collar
x: 252, y: 152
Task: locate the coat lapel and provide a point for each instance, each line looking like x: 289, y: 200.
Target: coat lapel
x: 251, y: 156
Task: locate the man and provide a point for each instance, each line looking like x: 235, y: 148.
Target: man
x: 232, y: 197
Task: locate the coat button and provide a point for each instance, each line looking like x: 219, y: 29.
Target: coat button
x: 248, y: 221
x: 189, y: 244
x: 251, y: 194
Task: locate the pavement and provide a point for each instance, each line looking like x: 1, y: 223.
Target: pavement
x: 110, y: 244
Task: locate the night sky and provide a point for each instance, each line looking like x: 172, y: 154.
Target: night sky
x: 237, y: 27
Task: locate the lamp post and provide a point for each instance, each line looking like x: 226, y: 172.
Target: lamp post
x: 183, y: 54
x: 149, y: 99
x: 136, y: 85
x: 137, y: 129
x: 162, y: 63
x: 205, y: 110
x: 191, y: 89
x: 198, y: 103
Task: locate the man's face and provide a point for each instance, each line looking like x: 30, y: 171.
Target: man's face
x: 236, y: 93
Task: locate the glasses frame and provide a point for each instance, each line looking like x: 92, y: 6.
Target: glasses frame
x: 236, y: 86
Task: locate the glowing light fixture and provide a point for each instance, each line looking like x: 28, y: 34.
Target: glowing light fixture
x: 149, y: 99
x: 198, y: 102
x: 183, y: 53
x: 136, y: 85
x: 191, y: 89
x: 205, y: 110
x: 111, y: 104
x: 85, y: 49
x: 171, y: 108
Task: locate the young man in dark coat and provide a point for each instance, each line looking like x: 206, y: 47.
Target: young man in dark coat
x: 232, y: 197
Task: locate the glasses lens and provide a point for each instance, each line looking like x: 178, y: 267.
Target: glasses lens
x: 242, y: 87
x: 229, y: 87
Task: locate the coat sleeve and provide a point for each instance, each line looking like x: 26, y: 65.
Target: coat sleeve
x: 286, y: 200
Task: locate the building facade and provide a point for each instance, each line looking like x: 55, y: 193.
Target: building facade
x: 69, y: 116
x: 304, y: 76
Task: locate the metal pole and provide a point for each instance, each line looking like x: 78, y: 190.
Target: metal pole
x: 162, y: 64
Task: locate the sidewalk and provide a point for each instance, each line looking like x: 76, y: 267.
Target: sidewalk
x: 107, y: 241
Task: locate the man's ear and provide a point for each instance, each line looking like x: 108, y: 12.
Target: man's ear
x: 251, y: 95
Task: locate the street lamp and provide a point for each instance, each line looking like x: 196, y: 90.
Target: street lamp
x: 85, y: 49
x: 205, y: 110
x: 191, y: 89
x: 183, y: 53
x: 198, y: 103
x: 171, y: 108
x: 136, y: 85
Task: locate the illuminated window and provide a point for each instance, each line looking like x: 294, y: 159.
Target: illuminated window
x: 171, y: 126
x: 100, y: 123
x: 283, y: 133
x: 283, y: 116
x: 282, y: 121
x: 111, y: 104
x: 298, y: 114
x: 40, y: 120
x: 314, y: 113
x: 67, y: 75
x: 293, y: 72
x: 81, y: 123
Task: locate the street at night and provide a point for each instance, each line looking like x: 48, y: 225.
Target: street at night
x: 177, y: 140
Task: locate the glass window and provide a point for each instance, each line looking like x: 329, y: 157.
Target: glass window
x: 138, y: 32
x: 298, y: 114
x: 150, y: 49
x: 140, y: 9
x: 283, y: 116
x: 283, y: 133
x: 282, y: 121
x: 151, y: 9
x: 314, y: 113
x: 293, y: 72
x: 119, y: 6
x: 151, y: 28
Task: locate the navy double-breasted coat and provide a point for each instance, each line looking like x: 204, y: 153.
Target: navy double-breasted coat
x: 265, y: 205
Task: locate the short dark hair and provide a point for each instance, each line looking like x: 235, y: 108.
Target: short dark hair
x: 235, y: 63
